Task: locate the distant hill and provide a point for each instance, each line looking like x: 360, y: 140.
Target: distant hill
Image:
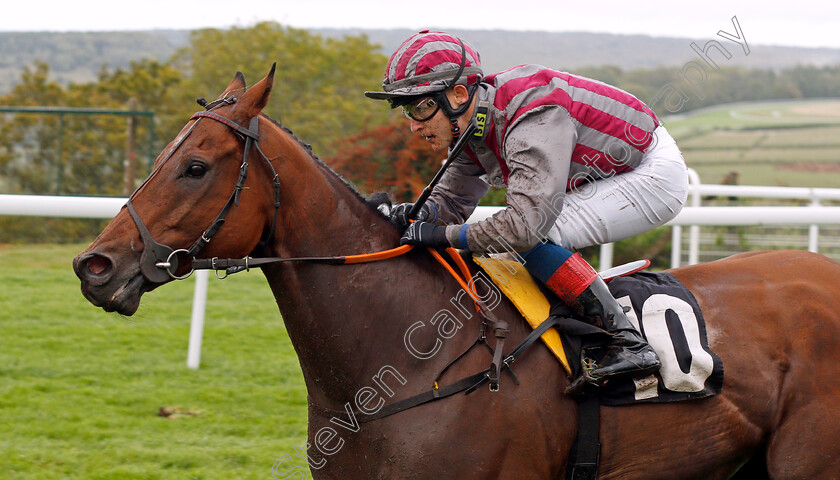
x: 78, y: 56
x: 570, y: 50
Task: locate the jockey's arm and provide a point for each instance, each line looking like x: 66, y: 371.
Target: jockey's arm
x: 537, y: 150
x: 459, y: 191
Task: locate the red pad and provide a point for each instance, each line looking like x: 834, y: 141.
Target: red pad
x: 572, y: 278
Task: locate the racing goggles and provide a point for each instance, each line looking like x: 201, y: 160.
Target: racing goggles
x: 421, y: 110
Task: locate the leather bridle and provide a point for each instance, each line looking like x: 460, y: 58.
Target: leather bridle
x: 159, y: 262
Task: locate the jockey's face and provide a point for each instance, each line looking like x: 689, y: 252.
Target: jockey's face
x: 436, y: 130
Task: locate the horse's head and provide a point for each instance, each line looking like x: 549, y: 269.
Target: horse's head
x: 181, y: 210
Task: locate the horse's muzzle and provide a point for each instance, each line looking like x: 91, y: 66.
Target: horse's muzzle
x: 107, y: 286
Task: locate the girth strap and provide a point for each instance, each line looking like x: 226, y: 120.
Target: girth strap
x: 586, y: 452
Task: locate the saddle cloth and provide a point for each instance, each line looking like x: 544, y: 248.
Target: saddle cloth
x: 661, y: 308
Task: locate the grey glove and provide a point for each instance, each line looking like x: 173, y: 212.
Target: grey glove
x: 425, y: 234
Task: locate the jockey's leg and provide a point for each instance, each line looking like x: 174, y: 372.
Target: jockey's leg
x: 572, y: 279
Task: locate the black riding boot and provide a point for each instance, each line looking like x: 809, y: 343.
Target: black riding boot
x: 629, y: 354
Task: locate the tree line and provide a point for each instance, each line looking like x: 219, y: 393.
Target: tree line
x: 317, y: 94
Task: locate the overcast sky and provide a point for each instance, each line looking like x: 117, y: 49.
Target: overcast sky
x: 809, y: 23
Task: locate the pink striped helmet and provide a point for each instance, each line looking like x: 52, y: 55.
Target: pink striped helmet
x: 428, y: 62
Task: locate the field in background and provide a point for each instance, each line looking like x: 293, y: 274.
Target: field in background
x: 81, y: 391
x: 784, y: 143
x: 792, y: 143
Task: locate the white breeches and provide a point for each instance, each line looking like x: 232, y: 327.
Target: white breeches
x: 626, y: 204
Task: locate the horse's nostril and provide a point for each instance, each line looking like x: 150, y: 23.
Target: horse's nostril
x: 98, y: 265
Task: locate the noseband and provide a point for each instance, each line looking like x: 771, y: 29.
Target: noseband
x: 158, y: 263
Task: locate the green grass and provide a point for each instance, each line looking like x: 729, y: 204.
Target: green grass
x: 80, y: 390
x: 757, y: 115
x: 723, y: 139
x: 786, y: 143
x: 811, y: 137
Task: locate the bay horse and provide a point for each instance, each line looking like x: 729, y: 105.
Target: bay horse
x: 772, y: 317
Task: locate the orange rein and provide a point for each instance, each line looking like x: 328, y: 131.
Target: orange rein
x: 376, y: 256
x: 395, y: 252
x: 237, y: 264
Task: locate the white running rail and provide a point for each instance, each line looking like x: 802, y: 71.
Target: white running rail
x: 694, y: 215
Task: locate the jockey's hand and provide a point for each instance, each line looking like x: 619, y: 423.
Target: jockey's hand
x: 425, y: 234
x: 399, y: 214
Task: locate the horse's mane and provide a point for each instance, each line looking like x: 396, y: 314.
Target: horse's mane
x: 375, y: 199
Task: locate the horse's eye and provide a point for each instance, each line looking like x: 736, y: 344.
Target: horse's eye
x: 196, y: 170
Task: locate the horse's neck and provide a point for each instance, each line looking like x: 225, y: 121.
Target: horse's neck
x: 343, y: 319
x: 321, y: 214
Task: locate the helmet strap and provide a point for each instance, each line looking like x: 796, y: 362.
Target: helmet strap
x: 454, y: 113
x: 450, y: 112
x: 444, y: 101
x: 461, y: 67
x: 456, y: 130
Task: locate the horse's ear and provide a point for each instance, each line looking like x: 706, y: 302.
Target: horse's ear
x: 238, y: 83
x: 256, y: 98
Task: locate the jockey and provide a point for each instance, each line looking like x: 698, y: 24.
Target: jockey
x: 584, y: 163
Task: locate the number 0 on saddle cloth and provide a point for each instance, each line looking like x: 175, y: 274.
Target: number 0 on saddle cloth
x: 661, y: 308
